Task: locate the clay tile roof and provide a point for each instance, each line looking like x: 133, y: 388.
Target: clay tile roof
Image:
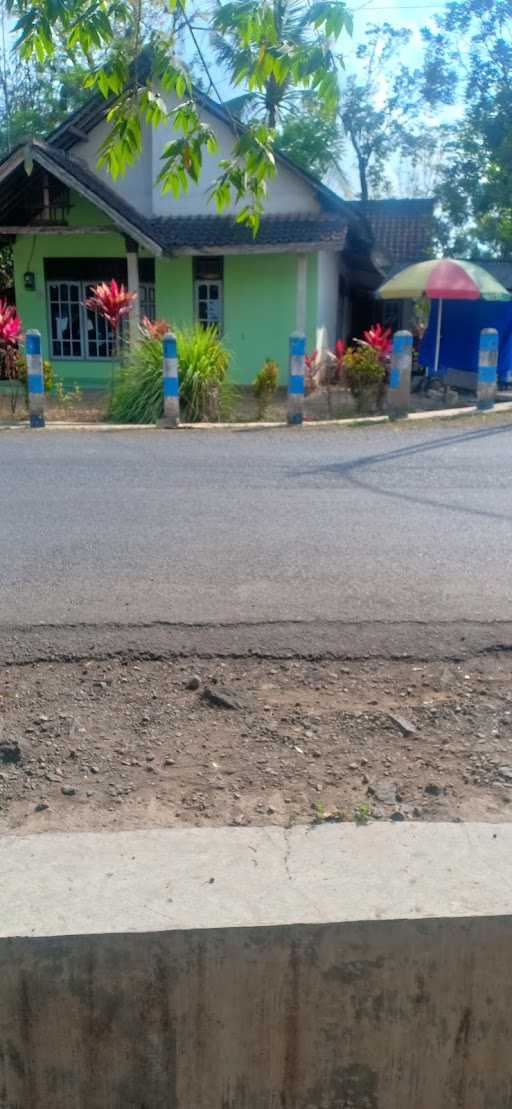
x: 190, y: 234
x: 194, y: 233
x: 402, y: 229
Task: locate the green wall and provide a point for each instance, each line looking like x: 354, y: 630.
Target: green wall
x: 174, y: 290
x: 29, y: 254
x: 259, y: 310
x: 259, y: 297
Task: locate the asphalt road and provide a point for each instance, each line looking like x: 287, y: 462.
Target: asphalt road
x: 380, y: 523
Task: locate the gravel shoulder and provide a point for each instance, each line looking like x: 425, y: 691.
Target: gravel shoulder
x: 115, y: 744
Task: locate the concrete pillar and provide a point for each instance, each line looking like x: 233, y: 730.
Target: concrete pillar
x: 132, y: 264
x: 399, y: 388
x: 296, y: 366
x: 35, y: 378
x: 487, y: 368
x: 302, y: 274
x: 171, y: 417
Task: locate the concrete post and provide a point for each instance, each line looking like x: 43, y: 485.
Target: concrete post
x: 171, y: 416
x: 35, y: 378
x: 132, y: 266
x: 296, y: 367
x: 487, y: 368
x: 399, y: 388
x: 302, y: 278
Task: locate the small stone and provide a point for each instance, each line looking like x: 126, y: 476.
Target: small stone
x: 10, y: 752
x: 503, y: 771
x: 94, y: 769
x: 397, y: 815
x: 221, y: 698
x: 169, y: 762
x: 41, y: 806
x: 384, y: 792
x: 68, y: 791
x: 270, y: 810
x: 404, y: 725
x: 194, y: 682
x: 434, y: 790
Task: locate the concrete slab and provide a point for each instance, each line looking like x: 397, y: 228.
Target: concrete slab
x: 240, y: 968
x: 205, y: 878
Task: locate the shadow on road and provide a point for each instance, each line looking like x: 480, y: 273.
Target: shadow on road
x: 405, y: 452
x: 345, y: 471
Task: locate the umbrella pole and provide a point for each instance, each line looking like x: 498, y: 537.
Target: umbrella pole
x: 438, y: 336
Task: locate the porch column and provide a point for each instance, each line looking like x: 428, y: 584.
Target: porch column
x: 132, y: 265
x: 300, y: 312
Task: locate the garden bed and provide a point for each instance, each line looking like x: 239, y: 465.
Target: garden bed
x: 90, y: 407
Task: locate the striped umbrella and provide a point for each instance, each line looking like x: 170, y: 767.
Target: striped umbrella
x: 443, y: 279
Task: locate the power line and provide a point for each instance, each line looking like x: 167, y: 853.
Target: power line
x: 396, y: 8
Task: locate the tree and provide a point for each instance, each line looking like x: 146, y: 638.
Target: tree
x: 468, y: 62
x: 379, y: 108
x: 313, y: 141
x: 287, y: 29
x: 109, y: 36
x: 34, y: 99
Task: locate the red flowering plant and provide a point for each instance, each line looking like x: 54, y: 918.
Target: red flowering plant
x: 11, y: 361
x: 112, y: 302
x: 312, y: 370
x: 379, y: 338
x: 340, y: 350
x: 154, y: 329
x: 10, y: 323
x: 325, y: 367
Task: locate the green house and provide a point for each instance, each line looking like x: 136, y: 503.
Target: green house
x: 71, y: 226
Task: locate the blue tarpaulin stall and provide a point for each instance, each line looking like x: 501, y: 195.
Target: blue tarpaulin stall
x: 462, y: 323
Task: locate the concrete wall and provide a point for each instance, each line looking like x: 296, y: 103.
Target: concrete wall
x: 174, y: 290
x: 136, y: 185
x: 390, y: 1015
x: 207, y: 969
x: 287, y: 192
x: 327, y: 299
x: 260, y: 293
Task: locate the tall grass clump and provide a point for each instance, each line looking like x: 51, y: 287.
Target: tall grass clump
x: 205, y: 390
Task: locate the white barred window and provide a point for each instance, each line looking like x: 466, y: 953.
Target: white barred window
x: 77, y: 333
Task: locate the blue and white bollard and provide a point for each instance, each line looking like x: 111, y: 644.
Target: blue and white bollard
x: 399, y: 387
x: 171, y: 416
x: 487, y: 368
x: 35, y: 378
x: 296, y: 367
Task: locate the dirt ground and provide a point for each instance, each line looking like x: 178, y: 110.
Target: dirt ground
x: 90, y: 405
x: 95, y: 745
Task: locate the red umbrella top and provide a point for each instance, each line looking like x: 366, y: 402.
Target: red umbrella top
x: 444, y: 279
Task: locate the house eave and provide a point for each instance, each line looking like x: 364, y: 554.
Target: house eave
x: 264, y: 248
x: 120, y: 222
